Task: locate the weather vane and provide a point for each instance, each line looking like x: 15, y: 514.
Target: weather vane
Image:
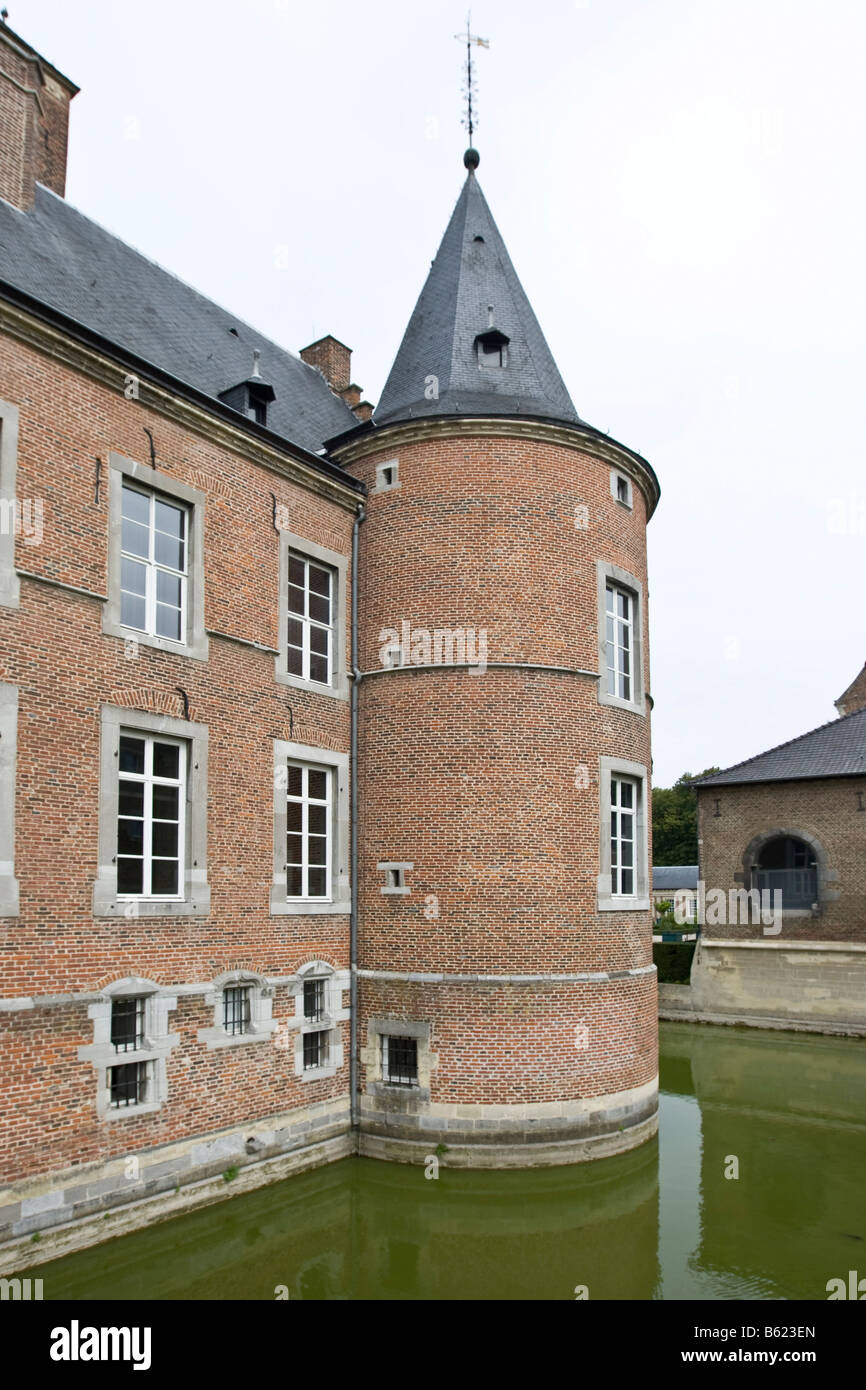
x: 470, y: 90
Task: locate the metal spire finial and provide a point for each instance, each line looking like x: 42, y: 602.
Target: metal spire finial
x: 470, y: 90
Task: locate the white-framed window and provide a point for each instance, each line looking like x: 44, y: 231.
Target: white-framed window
x: 619, y: 640
x: 311, y: 653
x: 155, y: 560
x: 310, y: 620
x: 309, y: 831
x: 153, y: 563
x: 130, y: 1048
x: 623, y: 809
x: 152, y: 816
x: 399, y: 1060
x: 151, y: 801
x: 624, y: 879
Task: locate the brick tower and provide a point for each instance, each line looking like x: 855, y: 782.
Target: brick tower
x: 507, y: 996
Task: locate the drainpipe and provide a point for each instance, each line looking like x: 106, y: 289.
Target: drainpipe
x: 353, y: 832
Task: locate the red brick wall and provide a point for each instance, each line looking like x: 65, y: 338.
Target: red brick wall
x: 54, y: 650
x: 33, y: 133
x: 472, y: 777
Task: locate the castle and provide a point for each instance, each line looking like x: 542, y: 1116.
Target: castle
x: 324, y: 731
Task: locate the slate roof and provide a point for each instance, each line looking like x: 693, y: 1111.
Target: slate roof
x: 72, y: 265
x: 667, y: 878
x: 837, y: 749
x: 467, y: 276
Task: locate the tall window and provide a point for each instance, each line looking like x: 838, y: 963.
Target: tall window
x: 400, y: 1060
x: 150, y: 823
x: 308, y: 840
x: 310, y: 619
x: 314, y: 1000
x: 153, y: 564
x: 315, y: 1050
x: 623, y: 804
x: 236, y: 1009
x: 127, y: 1024
x: 619, y: 617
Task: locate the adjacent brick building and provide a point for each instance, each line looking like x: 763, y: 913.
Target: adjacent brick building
x: 789, y: 824
x: 324, y: 739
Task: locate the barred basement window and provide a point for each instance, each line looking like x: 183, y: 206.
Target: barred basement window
x: 619, y: 620
x: 315, y: 1050
x: 309, y: 834
x: 128, y: 1084
x: 623, y: 801
x: 236, y: 1009
x: 314, y: 1000
x: 127, y: 1024
x: 400, y: 1060
x: 310, y: 620
x: 150, y: 821
x: 153, y: 564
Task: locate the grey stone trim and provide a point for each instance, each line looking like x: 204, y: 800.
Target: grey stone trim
x: 399, y: 1096
x: 196, y: 900
x: 157, y: 1045
x: 606, y: 571
x: 59, y: 584
x: 616, y: 474
x: 421, y: 977
x: 241, y: 641
x: 8, y: 761
x: 400, y: 890
x: 9, y: 586
x: 336, y: 982
x: 607, y: 901
x: 196, y: 643
x: 382, y: 485
x: 339, y: 687
x: 774, y: 944
x: 488, y: 666
x: 825, y: 873
x: 262, y: 1025
x: 341, y: 899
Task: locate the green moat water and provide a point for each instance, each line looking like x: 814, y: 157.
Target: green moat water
x: 660, y: 1222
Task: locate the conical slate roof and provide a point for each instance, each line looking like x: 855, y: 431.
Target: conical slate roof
x: 472, y: 289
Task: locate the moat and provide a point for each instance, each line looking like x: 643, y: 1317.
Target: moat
x: 663, y: 1221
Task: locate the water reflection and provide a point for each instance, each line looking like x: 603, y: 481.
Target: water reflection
x: 660, y: 1222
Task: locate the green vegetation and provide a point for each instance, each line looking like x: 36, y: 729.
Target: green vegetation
x: 673, y: 961
x: 230, y: 1174
x: 675, y: 821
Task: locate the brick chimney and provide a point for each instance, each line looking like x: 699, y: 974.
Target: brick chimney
x: 854, y: 697
x: 34, y: 121
x: 334, y: 361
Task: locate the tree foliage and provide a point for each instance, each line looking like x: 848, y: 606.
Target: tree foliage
x: 675, y: 821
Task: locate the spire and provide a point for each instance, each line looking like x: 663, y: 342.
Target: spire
x: 473, y: 345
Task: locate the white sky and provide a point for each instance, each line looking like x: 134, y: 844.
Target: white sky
x: 680, y: 185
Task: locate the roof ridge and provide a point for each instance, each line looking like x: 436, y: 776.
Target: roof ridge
x: 786, y: 743
x: 172, y: 275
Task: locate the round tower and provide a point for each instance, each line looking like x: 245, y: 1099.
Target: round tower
x: 507, y: 996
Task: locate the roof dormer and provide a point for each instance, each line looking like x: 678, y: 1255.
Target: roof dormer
x: 251, y: 397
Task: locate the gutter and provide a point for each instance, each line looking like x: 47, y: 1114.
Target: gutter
x: 146, y: 370
x: 353, y: 832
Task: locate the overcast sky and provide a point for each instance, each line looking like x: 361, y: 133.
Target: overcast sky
x: 680, y: 185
